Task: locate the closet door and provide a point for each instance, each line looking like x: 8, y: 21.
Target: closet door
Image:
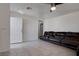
x: 15, y: 30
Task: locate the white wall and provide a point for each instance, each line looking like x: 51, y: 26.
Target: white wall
x: 30, y: 28
x: 69, y: 22
x: 4, y: 27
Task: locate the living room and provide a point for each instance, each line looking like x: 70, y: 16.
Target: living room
x: 42, y: 29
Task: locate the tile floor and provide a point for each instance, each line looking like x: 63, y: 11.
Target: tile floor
x: 38, y: 48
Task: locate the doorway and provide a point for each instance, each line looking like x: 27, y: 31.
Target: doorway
x: 40, y: 28
x: 15, y: 30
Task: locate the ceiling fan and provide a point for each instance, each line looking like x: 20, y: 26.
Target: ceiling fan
x: 53, y: 6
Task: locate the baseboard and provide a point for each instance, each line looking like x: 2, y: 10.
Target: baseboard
x: 4, y: 50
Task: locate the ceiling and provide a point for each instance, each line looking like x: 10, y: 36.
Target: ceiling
x: 42, y: 10
x: 21, y: 8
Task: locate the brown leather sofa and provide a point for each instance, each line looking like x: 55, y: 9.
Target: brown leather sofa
x: 68, y: 39
x: 71, y: 38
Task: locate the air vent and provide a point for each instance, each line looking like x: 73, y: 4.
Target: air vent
x: 28, y: 8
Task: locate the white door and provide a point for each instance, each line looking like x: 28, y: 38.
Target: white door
x: 15, y: 30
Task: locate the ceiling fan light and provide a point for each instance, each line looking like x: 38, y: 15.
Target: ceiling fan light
x: 53, y: 8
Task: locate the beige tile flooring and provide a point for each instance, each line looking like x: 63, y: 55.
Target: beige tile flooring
x: 38, y: 48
